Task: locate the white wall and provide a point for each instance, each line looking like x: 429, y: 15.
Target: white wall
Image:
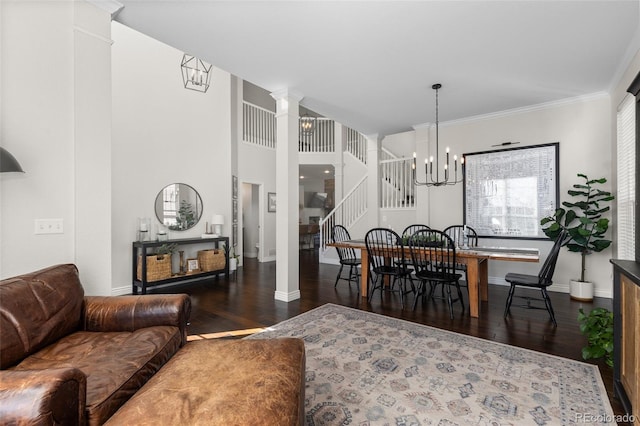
x: 37, y: 127
x: 162, y: 134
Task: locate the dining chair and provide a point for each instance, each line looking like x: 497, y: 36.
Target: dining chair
x: 541, y: 281
x: 385, y: 252
x: 456, y: 233
x: 412, y: 229
x: 347, y: 256
x: 408, y: 232
x: 433, y: 254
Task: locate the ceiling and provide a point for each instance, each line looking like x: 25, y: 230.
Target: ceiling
x: 371, y: 64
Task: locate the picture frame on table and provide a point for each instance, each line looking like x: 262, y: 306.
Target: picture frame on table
x: 192, y: 265
x: 271, y: 202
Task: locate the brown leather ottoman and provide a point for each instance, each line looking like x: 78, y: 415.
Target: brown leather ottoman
x: 223, y: 382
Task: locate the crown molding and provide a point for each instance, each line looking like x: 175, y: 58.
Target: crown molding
x: 516, y: 111
x: 112, y: 7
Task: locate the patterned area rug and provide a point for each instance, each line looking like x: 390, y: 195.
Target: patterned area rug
x: 368, y: 369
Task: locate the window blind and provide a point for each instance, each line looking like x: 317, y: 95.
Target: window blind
x: 626, y: 197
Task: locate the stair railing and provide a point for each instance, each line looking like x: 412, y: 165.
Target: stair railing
x: 397, y: 188
x: 356, y: 144
x: 258, y: 125
x: 346, y: 213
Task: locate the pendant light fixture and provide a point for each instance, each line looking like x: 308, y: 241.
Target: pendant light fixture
x: 307, y: 124
x: 196, y: 74
x: 428, y: 164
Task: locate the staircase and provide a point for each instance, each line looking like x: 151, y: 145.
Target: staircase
x: 396, y: 178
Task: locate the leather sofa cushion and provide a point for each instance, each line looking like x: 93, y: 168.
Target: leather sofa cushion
x: 38, y: 309
x: 224, y: 382
x: 116, y: 364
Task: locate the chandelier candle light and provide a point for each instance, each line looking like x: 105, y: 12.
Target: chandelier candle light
x: 428, y: 164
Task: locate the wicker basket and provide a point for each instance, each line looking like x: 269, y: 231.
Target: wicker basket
x: 211, y: 260
x: 158, y: 267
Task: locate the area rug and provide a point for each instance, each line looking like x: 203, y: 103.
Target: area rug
x: 368, y: 369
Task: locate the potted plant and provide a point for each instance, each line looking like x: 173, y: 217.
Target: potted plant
x: 585, y: 227
x: 598, y: 327
x: 233, y: 259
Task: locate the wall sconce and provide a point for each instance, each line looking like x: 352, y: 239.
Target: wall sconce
x: 8, y: 162
x: 196, y: 74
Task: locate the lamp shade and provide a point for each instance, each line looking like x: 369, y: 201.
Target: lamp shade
x: 217, y: 219
x: 8, y: 162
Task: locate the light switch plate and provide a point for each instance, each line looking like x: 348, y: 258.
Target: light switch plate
x: 49, y: 226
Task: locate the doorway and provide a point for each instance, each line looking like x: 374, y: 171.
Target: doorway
x: 251, y: 220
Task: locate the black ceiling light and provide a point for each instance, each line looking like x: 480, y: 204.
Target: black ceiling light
x: 428, y: 164
x: 8, y: 162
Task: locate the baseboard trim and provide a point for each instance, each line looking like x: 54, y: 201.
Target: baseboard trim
x: 287, y: 297
x: 121, y: 291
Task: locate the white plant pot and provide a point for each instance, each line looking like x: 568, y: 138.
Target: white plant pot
x: 581, y: 290
x: 233, y: 264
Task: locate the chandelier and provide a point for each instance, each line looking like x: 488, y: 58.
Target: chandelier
x: 307, y: 124
x: 428, y: 164
x: 196, y: 74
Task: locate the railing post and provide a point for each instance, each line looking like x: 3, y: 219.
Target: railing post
x: 373, y: 187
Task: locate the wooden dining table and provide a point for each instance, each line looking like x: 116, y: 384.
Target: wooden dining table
x: 476, y: 259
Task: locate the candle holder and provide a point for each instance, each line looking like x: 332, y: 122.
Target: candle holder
x: 144, y: 225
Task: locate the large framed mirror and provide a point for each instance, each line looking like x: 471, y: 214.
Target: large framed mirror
x: 178, y: 206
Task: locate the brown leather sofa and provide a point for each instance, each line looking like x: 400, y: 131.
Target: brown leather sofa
x: 70, y: 359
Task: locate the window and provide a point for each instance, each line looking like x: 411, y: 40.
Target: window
x: 626, y: 197
x: 508, y: 191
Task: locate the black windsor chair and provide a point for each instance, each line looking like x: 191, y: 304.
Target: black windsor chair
x: 456, y: 233
x: 385, y: 252
x: 434, y: 256
x: 347, y: 256
x: 543, y: 280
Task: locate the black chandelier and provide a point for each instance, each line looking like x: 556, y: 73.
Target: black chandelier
x: 428, y: 164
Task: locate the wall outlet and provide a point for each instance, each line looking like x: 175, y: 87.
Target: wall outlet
x: 48, y: 226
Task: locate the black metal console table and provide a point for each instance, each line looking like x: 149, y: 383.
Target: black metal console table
x: 140, y: 248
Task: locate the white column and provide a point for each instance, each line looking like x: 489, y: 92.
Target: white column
x: 287, y: 255
x: 92, y: 150
x: 423, y: 215
x: 338, y: 165
x: 373, y: 180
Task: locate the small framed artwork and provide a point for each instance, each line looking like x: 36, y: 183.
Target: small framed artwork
x: 271, y: 202
x: 234, y: 234
x: 234, y: 210
x: 192, y: 265
x: 234, y: 187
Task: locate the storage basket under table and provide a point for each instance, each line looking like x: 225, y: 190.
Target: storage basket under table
x: 211, y: 260
x: 158, y: 267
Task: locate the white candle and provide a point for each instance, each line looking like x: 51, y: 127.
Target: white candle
x: 143, y: 226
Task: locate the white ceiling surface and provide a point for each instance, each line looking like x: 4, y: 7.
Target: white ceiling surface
x: 370, y: 64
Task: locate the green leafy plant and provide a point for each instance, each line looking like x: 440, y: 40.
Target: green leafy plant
x: 598, y: 327
x: 582, y: 220
x: 166, y: 249
x: 186, y: 217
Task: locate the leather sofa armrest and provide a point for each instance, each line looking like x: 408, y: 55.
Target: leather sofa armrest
x: 130, y: 313
x: 43, y: 397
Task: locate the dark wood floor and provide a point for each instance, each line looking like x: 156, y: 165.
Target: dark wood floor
x: 247, y: 301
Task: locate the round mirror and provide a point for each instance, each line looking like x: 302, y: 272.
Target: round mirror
x: 178, y: 206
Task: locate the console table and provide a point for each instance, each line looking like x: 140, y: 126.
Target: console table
x: 626, y: 335
x: 140, y: 248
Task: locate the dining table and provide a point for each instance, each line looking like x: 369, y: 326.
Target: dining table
x: 475, y: 258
